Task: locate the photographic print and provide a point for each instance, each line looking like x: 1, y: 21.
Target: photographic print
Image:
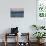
x: 17, y: 12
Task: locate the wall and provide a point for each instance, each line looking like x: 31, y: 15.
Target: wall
x: 24, y: 24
